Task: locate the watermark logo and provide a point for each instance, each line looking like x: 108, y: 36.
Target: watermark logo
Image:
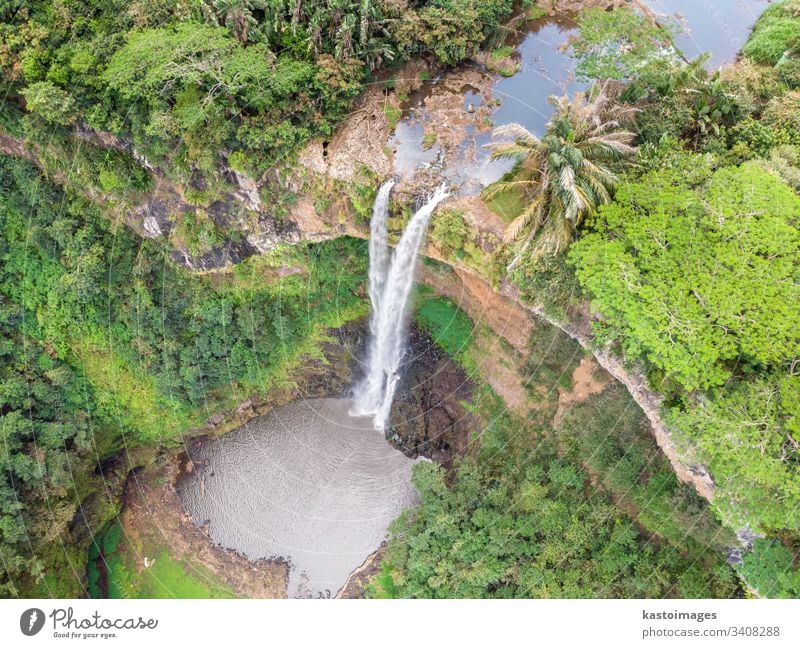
x: 31, y: 621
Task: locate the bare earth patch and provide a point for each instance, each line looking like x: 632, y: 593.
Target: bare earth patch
x: 588, y: 379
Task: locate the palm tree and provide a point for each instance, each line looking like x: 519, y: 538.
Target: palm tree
x: 564, y: 174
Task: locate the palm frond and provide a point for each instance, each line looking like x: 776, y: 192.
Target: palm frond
x: 509, y: 150
x: 601, y: 173
x: 565, y: 170
x: 516, y: 132
x: 602, y: 193
x: 530, y: 217
x: 499, y: 188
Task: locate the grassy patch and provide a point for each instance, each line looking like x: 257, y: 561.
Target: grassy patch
x: 502, y: 52
x: 534, y: 12
x: 393, y: 114
x: 449, y: 326
x: 166, y: 577
x: 507, y: 205
x: 775, y: 32
x: 169, y: 578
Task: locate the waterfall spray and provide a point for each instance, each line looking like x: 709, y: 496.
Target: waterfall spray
x: 391, y: 276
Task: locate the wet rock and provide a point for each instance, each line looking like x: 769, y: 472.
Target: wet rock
x: 428, y: 417
x: 154, y: 216
x: 266, y: 233
x: 248, y: 191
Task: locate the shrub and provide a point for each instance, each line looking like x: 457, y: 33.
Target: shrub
x: 789, y: 71
x: 751, y: 84
x: 622, y: 44
x: 667, y: 117
x: 785, y: 161
x: 777, y: 31
x: 449, y: 230
x: 758, y: 137
x: 782, y: 113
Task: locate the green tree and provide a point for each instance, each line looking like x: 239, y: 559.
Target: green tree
x: 748, y: 434
x: 50, y: 103
x: 697, y: 280
x: 566, y: 174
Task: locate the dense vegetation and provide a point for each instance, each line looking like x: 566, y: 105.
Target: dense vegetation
x: 700, y: 284
x: 687, y: 247
x: 193, y: 82
x: 519, y: 519
x: 106, y: 342
x: 693, y: 266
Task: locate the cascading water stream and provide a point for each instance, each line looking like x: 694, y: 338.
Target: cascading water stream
x: 391, y: 276
x: 379, y: 250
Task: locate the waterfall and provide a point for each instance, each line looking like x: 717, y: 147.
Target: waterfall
x: 379, y: 251
x: 391, y: 276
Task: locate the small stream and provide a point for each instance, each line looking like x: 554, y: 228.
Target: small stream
x: 720, y: 27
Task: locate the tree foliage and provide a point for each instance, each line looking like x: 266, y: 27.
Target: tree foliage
x: 519, y: 523
x: 106, y: 342
x: 696, y: 276
x: 565, y: 175
x: 696, y: 280
x: 749, y: 436
x: 186, y: 80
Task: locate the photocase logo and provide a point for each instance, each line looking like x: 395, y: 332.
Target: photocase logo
x: 31, y: 621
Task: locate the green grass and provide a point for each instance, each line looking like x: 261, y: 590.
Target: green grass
x: 383, y: 585
x: 534, y: 12
x: 393, y: 114
x: 166, y: 577
x: 774, y: 33
x: 502, y: 52
x: 553, y: 358
x: 507, y: 205
x: 449, y: 326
